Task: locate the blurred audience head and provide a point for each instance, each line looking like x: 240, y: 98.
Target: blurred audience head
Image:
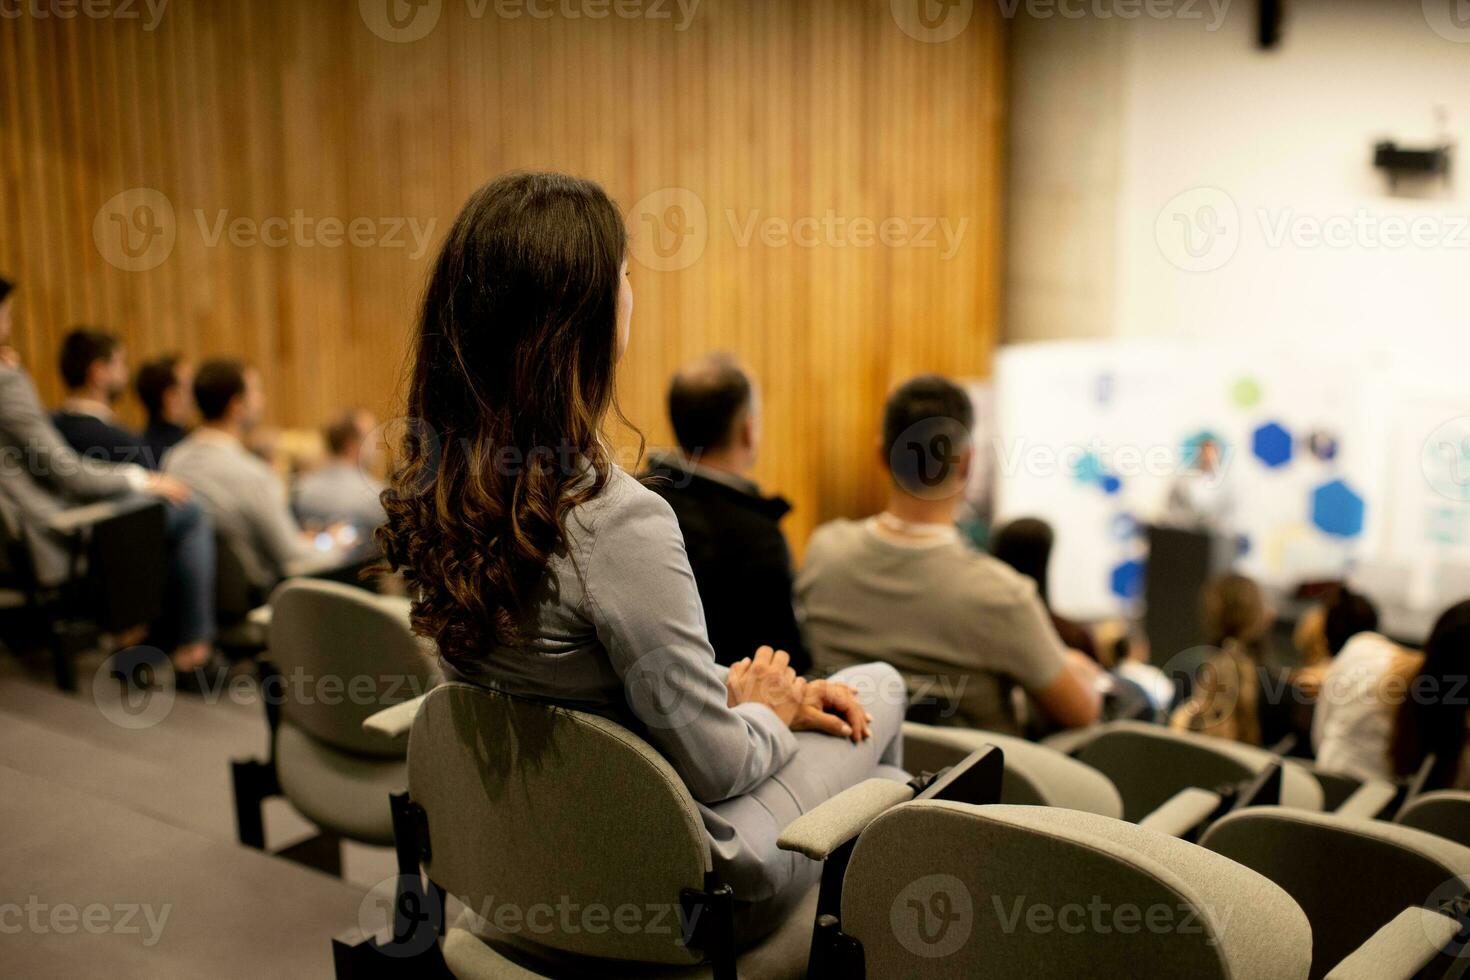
x: 1235, y: 610
x: 713, y: 408
x: 229, y: 394
x: 93, y: 361
x: 1025, y: 544
x: 346, y: 436
x: 1430, y: 719
x: 1345, y: 614
x: 926, y: 438
x: 163, y: 386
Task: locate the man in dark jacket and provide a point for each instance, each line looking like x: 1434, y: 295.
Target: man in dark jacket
x: 95, y: 371
x: 733, y: 535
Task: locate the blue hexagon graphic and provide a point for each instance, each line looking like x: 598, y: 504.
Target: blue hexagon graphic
x: 1111, y: 484
x: 1272, y: 444
x: 1126, y: 579
x: 1337, y: 509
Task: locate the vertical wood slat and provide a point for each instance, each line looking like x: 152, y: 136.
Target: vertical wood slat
x: 762, y: 107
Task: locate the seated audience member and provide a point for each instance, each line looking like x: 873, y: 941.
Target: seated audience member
x: 1353, y: 721
x: 240, y: 490
x: 566, y: 580
x: 1431, y: 711
x: 733, y: 534
x: 1025, y: 544
x: 163, y: 385
x: 42, y: 476
x: 903, y: 587
x: 1324, y: 630
x: 342, y: 491
x: 1124, y: 649
x: 95, y: 371
x: 1227, y: 694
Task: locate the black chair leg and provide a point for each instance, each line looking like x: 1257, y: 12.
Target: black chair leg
x: 255, y: 782
x: 67, y: 640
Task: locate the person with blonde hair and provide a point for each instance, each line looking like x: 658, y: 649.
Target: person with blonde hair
x: 1227, y: 693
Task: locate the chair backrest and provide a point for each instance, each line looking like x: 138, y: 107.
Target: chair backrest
x: 1350, y: 875
x: 1444, y: 812
x: 1034, y: 774
x: 342, y: 655
x: 940, y: 889
x: 128, y: 567
x: 533, y: 808
x: 1149, y: 764
x: 235, y: 591
x: 1336, y: 787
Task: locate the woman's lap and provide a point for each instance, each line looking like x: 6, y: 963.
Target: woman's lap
x: 766, y: 880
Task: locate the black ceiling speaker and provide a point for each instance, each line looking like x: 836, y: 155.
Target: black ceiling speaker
x: 1402, y: 161
x: 1269, y: 14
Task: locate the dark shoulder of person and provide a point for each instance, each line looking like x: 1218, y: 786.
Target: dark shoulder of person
x: 98, y: 439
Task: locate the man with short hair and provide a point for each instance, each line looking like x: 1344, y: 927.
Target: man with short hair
x: 94, y: 369
x: 342, y: 491
x: 732, y: 533
x: 163, y: 385
x: 962, y: 627
x: 242, y: 492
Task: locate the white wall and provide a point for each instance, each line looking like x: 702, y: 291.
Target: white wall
x: 1282, y: 137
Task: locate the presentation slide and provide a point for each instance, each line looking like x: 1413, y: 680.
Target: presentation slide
x: 1330, y: 465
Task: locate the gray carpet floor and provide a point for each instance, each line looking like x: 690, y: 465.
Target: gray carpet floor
x: 118, y: 855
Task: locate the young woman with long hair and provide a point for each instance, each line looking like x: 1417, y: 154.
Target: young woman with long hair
x: 542, y: 569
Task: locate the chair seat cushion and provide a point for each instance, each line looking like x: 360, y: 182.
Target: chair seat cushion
x: 346, y: 794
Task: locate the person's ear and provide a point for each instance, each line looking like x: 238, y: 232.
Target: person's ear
x: 967, y: 459
x: 747, y: 430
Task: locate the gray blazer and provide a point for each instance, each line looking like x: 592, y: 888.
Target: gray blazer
x: 619, y: 631
x: 41, y: 475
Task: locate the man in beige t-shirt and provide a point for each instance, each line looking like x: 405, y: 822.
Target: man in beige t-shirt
x: 902, y: 587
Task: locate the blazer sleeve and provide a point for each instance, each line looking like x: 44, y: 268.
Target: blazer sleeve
x: 29, y: 433
x: 645, y: 607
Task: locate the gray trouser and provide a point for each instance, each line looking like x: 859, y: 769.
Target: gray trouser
x: 769, y: 882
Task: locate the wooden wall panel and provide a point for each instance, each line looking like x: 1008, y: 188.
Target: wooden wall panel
x: 766, y: 108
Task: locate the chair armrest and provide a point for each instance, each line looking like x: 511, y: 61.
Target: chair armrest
x: 395, y: 720
x: 822, y: 830
x: 1368, y: 800
x: 1400, y: 949
x: 73, y: 519
x: 1182, y: 812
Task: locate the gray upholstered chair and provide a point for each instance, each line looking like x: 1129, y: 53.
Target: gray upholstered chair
x: 1150, y: 764
x: 339, y: 654
x: 1350, y: 876
x: 1445, y: 812
x: 940, y: 889
x: 528, y: 808
x: 1034, y: 774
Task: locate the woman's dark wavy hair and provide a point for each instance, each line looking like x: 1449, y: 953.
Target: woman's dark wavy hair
x: 1430, y: 720
x: 512, y: 377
